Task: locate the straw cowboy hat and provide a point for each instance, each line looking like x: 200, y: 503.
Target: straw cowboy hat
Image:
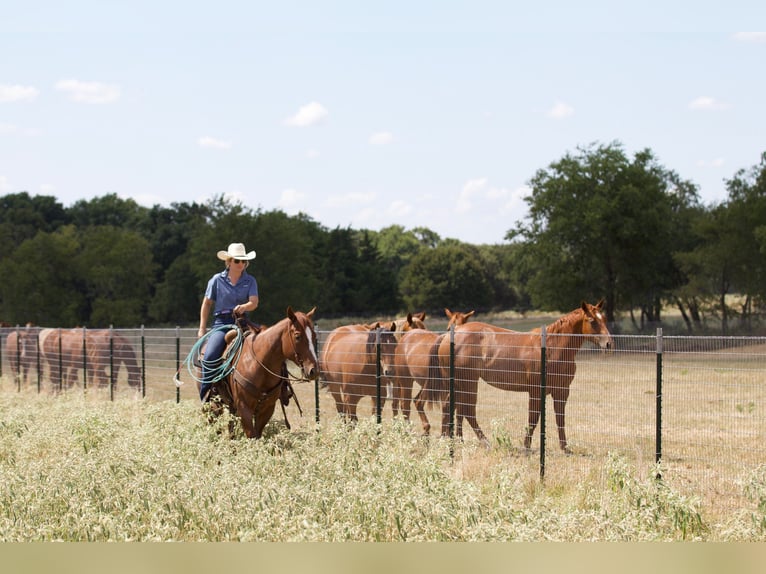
x: 236, y: 251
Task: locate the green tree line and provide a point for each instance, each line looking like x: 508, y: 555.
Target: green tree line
x: 601, y: 224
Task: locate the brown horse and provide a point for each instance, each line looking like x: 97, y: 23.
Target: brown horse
x: 107, y: 348
x: 66, y: 351
x: 349, y: 361
x: 510, y: 360
x: 411, y: 362
x: 349, y: 364
x: 252, y: 388
x: 21, y: 350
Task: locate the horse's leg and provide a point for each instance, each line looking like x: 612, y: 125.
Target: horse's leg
x: 420, y: 406
x: 466, y: 409
x: 350, y: 402
x: 245, y: 414
x: 534, y: 416
x: 560, y: 396
x: 262, y: 418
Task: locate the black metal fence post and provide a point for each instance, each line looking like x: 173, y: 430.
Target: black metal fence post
x: 178, y: 361
x: 378, y: 373
x: 543, y: 391
x: 143, y: 363
x: 84, y: 359
x: 61, y: 365
x: 658, y: 421
x: 18, y: 359
x: 111, y: 364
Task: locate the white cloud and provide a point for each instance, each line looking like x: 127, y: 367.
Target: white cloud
x: 560, y: 110
x: 17, y: 93
x: 356, y: 198
x: 381, y: 138
x: 89, y: 92
x: 706, y: 103
x: 210, y: 142
x: 291, y: 199
x: 5, y: 186
x: 47, y: 188
x: 715, y: 163
x: 308, y: 115
x: 399, y: 208
x: 471, y: 189
x: 751, y: 37
x: 500, y: 200
x: 312, y: 154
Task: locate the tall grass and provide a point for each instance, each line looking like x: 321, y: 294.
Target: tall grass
x: 77, y: 469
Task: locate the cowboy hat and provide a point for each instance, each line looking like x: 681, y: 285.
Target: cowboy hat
x: 236, y: 251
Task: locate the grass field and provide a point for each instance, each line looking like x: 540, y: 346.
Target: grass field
x: 80, y: 467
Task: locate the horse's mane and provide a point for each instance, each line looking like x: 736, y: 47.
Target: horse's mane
x: 558, y: 326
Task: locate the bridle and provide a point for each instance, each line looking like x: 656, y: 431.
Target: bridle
x: 280, y: 377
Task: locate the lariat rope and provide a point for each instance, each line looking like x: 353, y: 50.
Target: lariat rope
x: 218, y: 369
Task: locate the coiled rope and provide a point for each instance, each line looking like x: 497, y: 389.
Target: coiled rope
x: 218, y: 369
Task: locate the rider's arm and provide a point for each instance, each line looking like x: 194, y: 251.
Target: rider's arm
x: 204, y: 313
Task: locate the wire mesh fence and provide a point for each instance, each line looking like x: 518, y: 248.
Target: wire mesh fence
x: 694, y: 403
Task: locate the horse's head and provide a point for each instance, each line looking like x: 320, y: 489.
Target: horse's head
x: 388, y: 343
x: 594, y: 325
x: 457, y: 318
x: 304, y: 342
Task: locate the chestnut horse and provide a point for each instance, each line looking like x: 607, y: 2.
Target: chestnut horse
x: 349, y: 361
x: 251, y: 389
x: 107, y: 347
x: 62, y: 350
x: 21, y: 350
x: 349, y: 364
x: 411, y: 362
x: 510, y: 360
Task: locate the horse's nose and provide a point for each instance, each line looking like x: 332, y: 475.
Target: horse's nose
x: 312, y: 372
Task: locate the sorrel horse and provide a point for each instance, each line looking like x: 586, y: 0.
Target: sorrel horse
x: 510, y: 360
x: 21, y: 350
x: 349, y: 361
x: 66, y: 351
x: 105, y: 348
x: 411, y: 362
x: 349, y: 364
x: 251, y: 390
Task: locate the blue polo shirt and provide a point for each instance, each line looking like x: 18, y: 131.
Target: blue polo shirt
x: 228, y: 296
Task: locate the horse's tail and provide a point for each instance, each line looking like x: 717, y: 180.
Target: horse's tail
x: 435, y: 388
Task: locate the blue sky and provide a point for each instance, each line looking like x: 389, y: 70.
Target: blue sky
x: 366, y: 114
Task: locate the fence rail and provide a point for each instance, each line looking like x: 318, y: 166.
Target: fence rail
x: 695, y: 404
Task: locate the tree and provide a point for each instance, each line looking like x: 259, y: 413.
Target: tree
x: 117, y: 270
x: 451, y: 275
x: 601, y: 225
x: 44, y: 289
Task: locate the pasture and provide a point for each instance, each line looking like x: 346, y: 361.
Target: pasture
x: 122, y: 464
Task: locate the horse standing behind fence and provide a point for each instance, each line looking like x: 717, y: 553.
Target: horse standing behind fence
x: 107, y: 349
x: 251, y: 389
x: 411, y: 362
x: 510, y: 360
x: 95, y: 351
x: 21, y: 350
x: 349, y: 364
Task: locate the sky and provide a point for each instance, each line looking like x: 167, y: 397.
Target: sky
x: 370, y: 114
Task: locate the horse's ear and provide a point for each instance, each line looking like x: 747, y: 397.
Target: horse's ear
x: 584, y: 307
x: 600, y: 304
x: 409, y: 318
x: 392, y: 327
x: 448, y: 313
x: 311, y: 313
x: 421, y: 316
x: 470, y: 313
x: 290, y: 313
